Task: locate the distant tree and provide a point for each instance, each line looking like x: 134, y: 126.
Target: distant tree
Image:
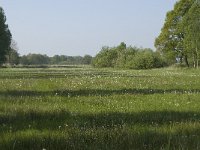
x: 34, y: 59
x: 87, y: 59
x: 67, y: 60
x: 73, y: 60
x: 5, y: 37
x: 122, y: 46
x: 24, y: 60
x: 63, y: 58
x: 55, y: 59
x: 121, y: 55
x: 105, y: 58
x: 13, y: 55
x: 77, y: 60
x: 130, y: 54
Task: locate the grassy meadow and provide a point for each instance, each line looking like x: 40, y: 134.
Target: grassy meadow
x: 86, y: 108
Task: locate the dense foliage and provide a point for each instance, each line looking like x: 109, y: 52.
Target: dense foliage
x: 5, y: 37
x: 128, y: 57
x: 179, y: 37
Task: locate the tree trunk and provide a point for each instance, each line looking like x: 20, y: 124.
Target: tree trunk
x: 194, y: 61
x: 197, y: 57
x: 181, y: 60
x: 186, y: 61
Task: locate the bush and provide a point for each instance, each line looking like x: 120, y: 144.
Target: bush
x: 105, y: 58
x: 131, y: 58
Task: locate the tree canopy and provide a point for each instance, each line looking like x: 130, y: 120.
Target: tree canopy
x: 5, y: 37
x: 180, y: 34
x: 128, y: 57
x: 191, y: 27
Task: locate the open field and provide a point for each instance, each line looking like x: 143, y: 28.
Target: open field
x: 85, y: 108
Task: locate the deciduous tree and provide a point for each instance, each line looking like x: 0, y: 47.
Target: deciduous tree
x: 191, y: 26
x: 5, y: 37
x: 170, y: 41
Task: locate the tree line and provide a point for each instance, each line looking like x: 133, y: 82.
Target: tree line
x: 13, y: 58
x: 9, y: 54
x: 39, y: 59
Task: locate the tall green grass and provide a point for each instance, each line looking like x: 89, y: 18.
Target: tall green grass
x: 85, y: 108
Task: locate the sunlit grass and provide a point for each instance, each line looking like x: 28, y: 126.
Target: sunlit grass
x: 85, y: 108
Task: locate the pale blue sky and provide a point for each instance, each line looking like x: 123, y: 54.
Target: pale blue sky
x: 79, y: 27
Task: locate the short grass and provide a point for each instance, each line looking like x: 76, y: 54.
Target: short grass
x: 85, y: 108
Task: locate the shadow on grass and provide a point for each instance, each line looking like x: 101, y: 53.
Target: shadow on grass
x: 108, y: 140
x: 101, y: 131
x: 52, y: 120
x: 94, y: 92
x: 47, y: 74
